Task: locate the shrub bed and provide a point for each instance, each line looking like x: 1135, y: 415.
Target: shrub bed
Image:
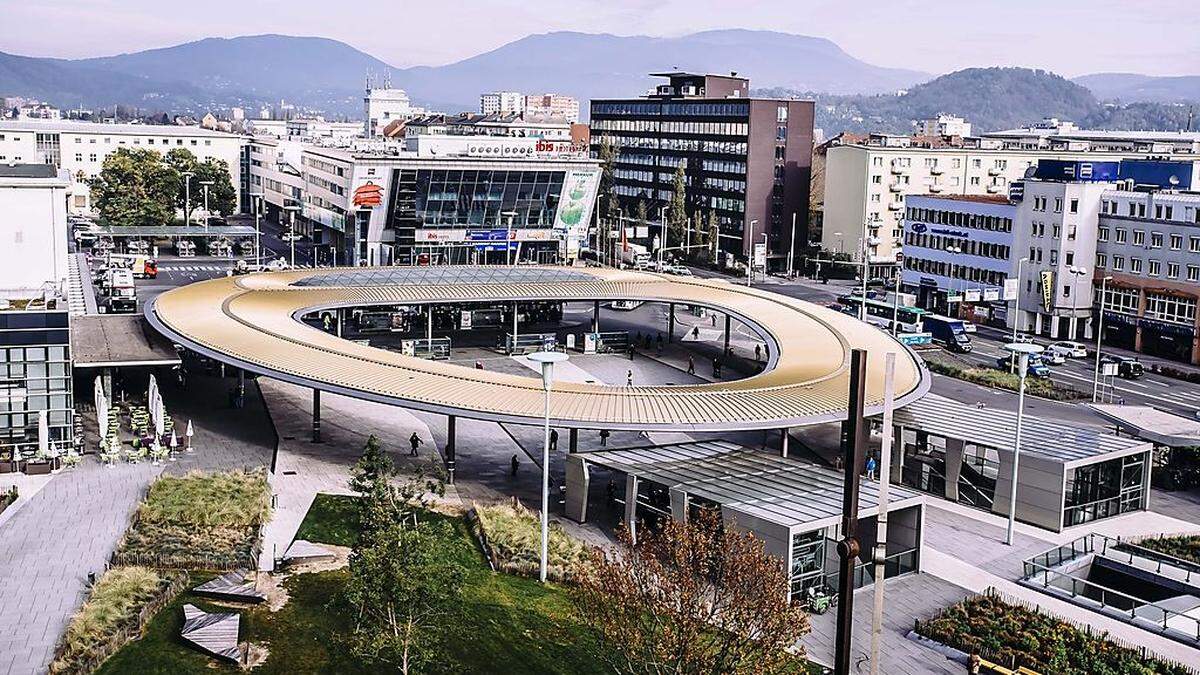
x: 7, y: 497
x: 123, y: 600
x: 1000, y: 379
x: 198, y: 521
x: 1015, y: 636
x: 1186, y: 547
x: 511, y: 536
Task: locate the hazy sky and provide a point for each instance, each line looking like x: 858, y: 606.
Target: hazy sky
x: 1071, y: 37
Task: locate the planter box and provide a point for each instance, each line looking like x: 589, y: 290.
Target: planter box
x: 7, y: 467
x: 37, y: 468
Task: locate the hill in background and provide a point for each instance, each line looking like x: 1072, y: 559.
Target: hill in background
x: 989, y: 98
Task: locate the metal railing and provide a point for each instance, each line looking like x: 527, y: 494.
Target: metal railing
x: 1039, y: 571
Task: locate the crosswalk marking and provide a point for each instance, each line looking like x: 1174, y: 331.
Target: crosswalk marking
x: 191, y: 268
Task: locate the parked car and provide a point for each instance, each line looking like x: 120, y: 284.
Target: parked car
x: 680, y: 270
x: 968, y: 327
x: 1054, y: 357
x: 1069, y: 349
x: 1024, y: 338
x: 1127, y: 367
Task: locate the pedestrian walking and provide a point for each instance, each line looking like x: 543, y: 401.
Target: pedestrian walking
x: 604, y: 438
x: 478, y: 365
x: 515, y: 465
x: 695, y: 332
x: 691, y: 365
x: 714, y: 320
x: 757, y: 353
x: 871, y: 467
x: 716, y: 368
x: 629, y: 378
x: 553, y: 440
x: 414, y: 441
x: 630, y: 352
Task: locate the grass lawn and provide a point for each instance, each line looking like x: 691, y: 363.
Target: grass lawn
x: 508, y: 624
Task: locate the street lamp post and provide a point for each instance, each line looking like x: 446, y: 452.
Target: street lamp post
x: 750, y: 258
x: 292, y: 209
x: 258, y: 197
x: 1017, y: 308
x: 662, y: 241
x: 865, y: 244
x: 507, y: 234
x: 1022, y: 350
x: 953, y: 250
x: 1078, y: 273
x: 187, y: 198
x: 1099, y: 336
x: 792, y: 249
x: 547, y: 361
x: 207, y: 213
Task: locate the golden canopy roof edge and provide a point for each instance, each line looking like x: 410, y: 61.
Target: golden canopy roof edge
x: 253, y: 322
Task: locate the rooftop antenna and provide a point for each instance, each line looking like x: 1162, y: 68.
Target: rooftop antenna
x: 1191, y: 113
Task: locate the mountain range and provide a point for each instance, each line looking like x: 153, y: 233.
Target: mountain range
x: 323, y: 75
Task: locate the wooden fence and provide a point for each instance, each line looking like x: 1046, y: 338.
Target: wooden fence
x: 98, y: 652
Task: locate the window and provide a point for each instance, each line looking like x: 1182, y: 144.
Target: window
x: 92, y: 157
x: 1194, y: 244
x: 876, y: 180
x: 1132, y: 209
x: 1176, y: 242
x: 1067, y: 291
x: 1135, y: 265
x: 1053, y: 256
x: 1118, y: 263
x: 79, y: 157
x: 1102, y: 234
x: 1139, y: 237
x: 1058, y: 204
x: 1057, y: 230
x: 1101, y: 260
x: 1172, y: 270
x: 1070, y: 258
x: 1155, y: 268
x: 1074, y: 206
x: 1156, y: 240
x: 1193, y: 273
x: 1171, y: 308
x: 781, y: 113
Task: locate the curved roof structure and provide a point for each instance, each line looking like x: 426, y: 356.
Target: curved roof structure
x: 253, y: 322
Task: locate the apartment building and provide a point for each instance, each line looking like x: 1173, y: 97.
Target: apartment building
x: 81, y: 147
x: 746, y: 160
x: 944, y: 125
x: 507, y: 102
x: 553, y: 105
x: 866, y: 182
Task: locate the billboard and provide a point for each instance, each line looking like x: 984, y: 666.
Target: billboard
x: 1047, y: 282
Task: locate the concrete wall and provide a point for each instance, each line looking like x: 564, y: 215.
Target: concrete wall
x: 578, y: 484
x: 33, y: 233
x: 776, y: 538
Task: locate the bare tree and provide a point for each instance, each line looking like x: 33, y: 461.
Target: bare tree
x: 692, y: 597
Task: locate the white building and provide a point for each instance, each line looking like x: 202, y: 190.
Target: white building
x: 385, y: 105
x: 944, y: 125
x: 38, y: 111
x: 33, y: 228
x: 80, y: 147
x: 553, y: 105
x: 313, y: 130
x: 502, y: 102
x: 866, y: 183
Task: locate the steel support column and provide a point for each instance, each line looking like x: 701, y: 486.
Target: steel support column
x: 726, y: 333
x: 670, y: 322
x: 316, y: 416
x: 451, y: 424
x: 854, y: 446
x: 596, y: 317
x: 573, y: 441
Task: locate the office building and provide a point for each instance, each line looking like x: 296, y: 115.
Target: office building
x: 1066, y: 227
x: 307, y: 129
x: 35, y: 352
x: 504, y: 102
x: 1056, y: 135
x: 524, y: 125
x: 430, y: 199
x: 866, y: 182
x: 958, y: 248
x: 746, y: 160
x: 81, y: 147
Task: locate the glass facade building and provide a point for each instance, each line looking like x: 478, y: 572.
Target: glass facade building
x: 35, y: 376
x: 746, y: 162
x: 479, y: 198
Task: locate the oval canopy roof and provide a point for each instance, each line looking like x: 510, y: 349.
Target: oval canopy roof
x: 253, y: 322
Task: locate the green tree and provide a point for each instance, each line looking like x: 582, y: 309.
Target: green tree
x: 714, y: 234
x: 677, y: 213
x: 222, y: 198
x: 135, y: 187
x: 642, y: 212
x: 388, y: 495
x: 403, y: 590
x: 607, y: 154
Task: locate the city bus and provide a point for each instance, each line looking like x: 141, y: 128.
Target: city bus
x: 880, y: 314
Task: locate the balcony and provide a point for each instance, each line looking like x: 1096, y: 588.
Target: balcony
x: 896, y: 206
x: 895, y: 187
x: 936, y: 189
x: 899, y: 169
x: 936, y: 170
x: 994, y: 171
x: 995, y: 189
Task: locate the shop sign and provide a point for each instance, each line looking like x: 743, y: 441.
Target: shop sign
x: 991, y: 294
